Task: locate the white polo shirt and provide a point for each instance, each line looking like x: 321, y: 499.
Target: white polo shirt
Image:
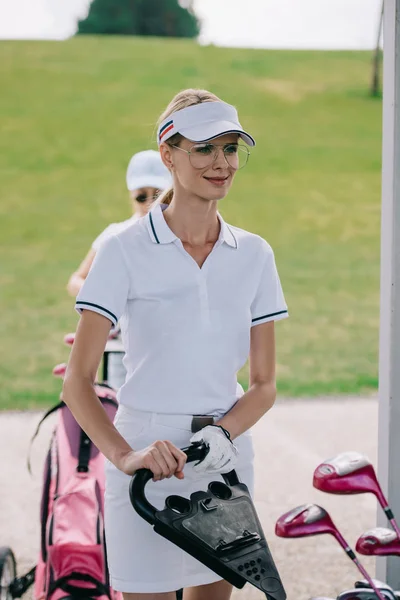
x: 112, y: 229
x: 185, y: 330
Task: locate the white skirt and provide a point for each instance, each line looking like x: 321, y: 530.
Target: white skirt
x: 140, y: 560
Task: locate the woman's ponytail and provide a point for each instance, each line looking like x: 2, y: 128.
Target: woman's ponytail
x: 165, y: 197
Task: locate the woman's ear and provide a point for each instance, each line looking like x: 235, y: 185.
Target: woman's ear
x: 166, y: 156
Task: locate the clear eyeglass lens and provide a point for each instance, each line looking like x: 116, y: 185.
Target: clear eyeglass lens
x: 203, y: 155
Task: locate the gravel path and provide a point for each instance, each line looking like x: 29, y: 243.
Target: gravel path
x: 289, y: 444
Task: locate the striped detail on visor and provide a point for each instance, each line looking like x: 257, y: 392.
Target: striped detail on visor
x: 164, y: 129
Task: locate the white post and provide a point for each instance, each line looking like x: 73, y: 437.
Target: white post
x: 389, y: 343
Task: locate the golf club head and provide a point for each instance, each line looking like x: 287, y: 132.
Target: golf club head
x: 59, y: 370
x: 346, y: 473
x: 366, y: 594
x: 363, y: 583
x: 379, y: 542
x: 305, y: 520
x: 69, y: 339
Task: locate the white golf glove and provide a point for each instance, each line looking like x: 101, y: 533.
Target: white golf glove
x: 222, y: 455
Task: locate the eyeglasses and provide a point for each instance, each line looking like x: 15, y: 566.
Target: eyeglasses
x: 202, y: 156
x: 143, y: 197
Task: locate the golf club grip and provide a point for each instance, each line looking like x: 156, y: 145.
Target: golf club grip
x: 138, y: 483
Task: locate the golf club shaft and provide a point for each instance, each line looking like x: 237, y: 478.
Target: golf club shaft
x: 395, y: 526
x: 386, y: 508
x: 389, y: 514
x: 359, y: 566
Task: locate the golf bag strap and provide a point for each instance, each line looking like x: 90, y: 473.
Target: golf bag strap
x: 85, y: 445
x: 84, y: 453
x: 62, y: 583
x: 111, y: 401
x: 50, y: 412
x: 47, y: 414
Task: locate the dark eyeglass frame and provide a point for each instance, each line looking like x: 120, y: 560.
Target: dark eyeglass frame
x: 242, y: 147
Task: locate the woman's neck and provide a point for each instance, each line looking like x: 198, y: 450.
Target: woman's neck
x: 193, y: 220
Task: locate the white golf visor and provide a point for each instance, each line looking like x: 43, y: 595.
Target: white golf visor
x: 203, y: 122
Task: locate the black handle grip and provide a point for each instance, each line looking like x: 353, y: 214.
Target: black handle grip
x: 138, y: 482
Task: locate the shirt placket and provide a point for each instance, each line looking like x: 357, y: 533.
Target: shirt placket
x: 204, y: 303
x: 202, y: 283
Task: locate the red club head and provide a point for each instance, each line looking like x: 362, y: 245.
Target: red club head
x: 59, y: 370
x: 114, y: 333
x: 379, y: 542
x: 308, y: 519
x: 69, y: 339
x: 346, y: 473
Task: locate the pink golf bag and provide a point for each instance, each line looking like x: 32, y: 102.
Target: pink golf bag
x: 72, y: 560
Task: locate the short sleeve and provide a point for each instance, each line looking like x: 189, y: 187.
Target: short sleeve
x: 106, y: 287
x: 103, y: 236
x: 269, y: 302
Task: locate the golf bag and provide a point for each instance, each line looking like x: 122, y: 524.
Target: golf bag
x: 72, y: 560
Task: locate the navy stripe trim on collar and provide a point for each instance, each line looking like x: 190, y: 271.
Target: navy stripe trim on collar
x: 152, y: 227
x: 281, y: 312
x: 80, y: 302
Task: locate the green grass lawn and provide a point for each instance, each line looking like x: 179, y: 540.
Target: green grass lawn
x: 72, y: 114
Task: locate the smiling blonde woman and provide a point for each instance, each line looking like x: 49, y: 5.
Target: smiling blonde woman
x: 196, y: 297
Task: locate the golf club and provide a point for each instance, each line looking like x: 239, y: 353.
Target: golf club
x: 362, y: 591
x: 352, y: 473
x: 366, y: 594
x: 379, y: 542
x: 311, y: 519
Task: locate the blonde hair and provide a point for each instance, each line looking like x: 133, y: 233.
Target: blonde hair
x: 183, y: 99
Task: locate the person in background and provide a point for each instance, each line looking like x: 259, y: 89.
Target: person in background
x: 146, y: 177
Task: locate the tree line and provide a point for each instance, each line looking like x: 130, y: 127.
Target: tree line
x: 169, y: 18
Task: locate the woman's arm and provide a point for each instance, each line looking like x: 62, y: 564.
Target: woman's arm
x: 162, y: 457
x: 78, y: 389
x: 76, y: 280
x: 261, y: 394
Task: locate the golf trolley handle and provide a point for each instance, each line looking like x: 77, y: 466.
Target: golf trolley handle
x: 138, y: 482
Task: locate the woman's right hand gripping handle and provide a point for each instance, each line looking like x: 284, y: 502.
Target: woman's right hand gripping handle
x: 162, y: 458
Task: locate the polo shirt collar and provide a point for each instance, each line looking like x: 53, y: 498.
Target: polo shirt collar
x: 160, y: 233
x: 157, y: 226
x: 227, y: 234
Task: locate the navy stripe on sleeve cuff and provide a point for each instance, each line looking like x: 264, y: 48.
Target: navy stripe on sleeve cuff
x: 81, y: 304
x: 275, y: 314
